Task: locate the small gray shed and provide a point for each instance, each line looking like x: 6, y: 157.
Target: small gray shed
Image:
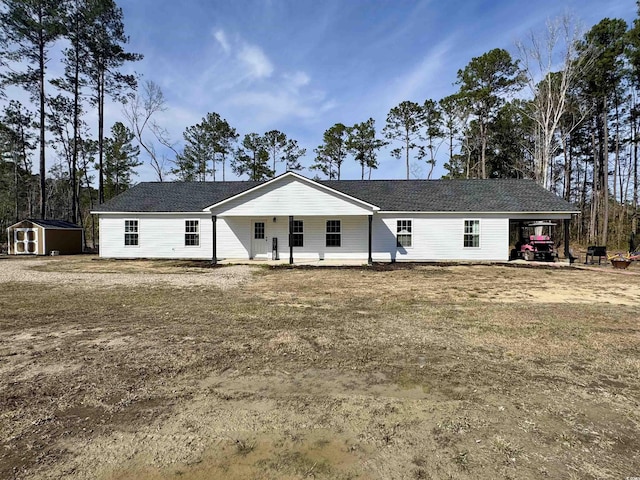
x: 41, y: 237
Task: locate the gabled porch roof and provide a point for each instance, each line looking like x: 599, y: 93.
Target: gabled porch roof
x: 291, y: 194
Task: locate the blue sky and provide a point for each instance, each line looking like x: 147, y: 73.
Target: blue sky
x: 300, y: 66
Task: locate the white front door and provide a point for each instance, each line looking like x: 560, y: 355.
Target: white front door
x: 25, y: 241
x: 259, y: 239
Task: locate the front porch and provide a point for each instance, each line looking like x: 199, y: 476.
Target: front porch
x: 301, y: 239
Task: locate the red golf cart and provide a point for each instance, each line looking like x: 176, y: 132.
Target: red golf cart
x: 536, y: 243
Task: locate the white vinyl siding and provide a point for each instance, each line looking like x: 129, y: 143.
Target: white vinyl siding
x: 290, y: 196
x: 160, y: 236
x: 438, y: 237
x: 354, y: 238
x: 434, y: 237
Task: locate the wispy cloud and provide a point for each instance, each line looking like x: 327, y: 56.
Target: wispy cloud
x: 411, y: 85
x: 239, y: 80
x: 297, y: 79
x: 257, y: 63
x: 221, y: 37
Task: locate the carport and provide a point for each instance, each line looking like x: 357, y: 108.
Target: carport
x: 561, y: 220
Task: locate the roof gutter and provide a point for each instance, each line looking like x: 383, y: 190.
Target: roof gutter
x: 463, y: 212
x: 134, y: 212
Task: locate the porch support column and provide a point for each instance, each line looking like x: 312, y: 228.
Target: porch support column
x: 214, y: 253
x: 370, y: 258
x: 566, y: 238
x: 290, y: 239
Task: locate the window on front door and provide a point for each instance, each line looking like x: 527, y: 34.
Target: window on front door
x: 258, y: 230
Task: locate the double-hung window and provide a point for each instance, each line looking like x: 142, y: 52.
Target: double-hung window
x: 404, y: 233
x: 297, y: 233
x: 472, y: 233
x: 334, y: 233
x: 191, y: 233
x: 131, y: 233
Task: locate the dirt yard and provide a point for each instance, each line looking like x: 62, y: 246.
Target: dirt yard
x: 152, y: 370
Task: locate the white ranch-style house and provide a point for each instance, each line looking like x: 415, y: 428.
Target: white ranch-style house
x: 296, y: 218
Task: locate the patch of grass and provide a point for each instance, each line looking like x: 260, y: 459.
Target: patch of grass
x: 461, y: 459
x: 506, y: 448
x: 299, y: 357
x: 244, y: 447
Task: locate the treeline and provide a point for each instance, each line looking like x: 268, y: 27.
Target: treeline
x: 211, y: 144
x: 90, y: 36
x: 562, y: 111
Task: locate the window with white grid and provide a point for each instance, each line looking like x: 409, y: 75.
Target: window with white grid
x: 192, y: 233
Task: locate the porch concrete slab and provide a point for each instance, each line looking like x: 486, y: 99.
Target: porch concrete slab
x: 319, y: 263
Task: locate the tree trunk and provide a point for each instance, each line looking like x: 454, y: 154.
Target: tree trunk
x: 604, y: 148
x: 407, y: 141
x: 583, y: 197
x: 636, y: 207
x: 594, y: 192
x: 43, y: 182
x: 483, y: 163
x: 568, y: 164
x: 76, y: 114
x: 101, y: 85
x: 16, y: 188
x: 618, y: 209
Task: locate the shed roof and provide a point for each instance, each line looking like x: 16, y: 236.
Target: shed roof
x: 49, y: 223
x: 494, y: 195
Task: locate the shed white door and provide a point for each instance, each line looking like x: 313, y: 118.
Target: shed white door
x: 258, y: 239
x: 25, y: 241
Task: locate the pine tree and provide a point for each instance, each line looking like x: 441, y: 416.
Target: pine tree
x: 30, y: 27
x: 483, y: 84
x: 333, y: 151
x: 404, y: 123
x: 363, y: 145
x: 252, y: 158
x: 120, y: 160
x: 106, y: 55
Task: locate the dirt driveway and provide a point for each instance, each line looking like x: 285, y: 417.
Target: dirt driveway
x: 150, y: 370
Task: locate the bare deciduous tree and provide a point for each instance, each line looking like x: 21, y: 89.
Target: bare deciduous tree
x: 552, y: 67
x: 139, y: 113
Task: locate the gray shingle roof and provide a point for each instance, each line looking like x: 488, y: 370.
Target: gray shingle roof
x: 494, y: 195
x: 500, y: 195
x: 174, y: 196
x: 54, y: 223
